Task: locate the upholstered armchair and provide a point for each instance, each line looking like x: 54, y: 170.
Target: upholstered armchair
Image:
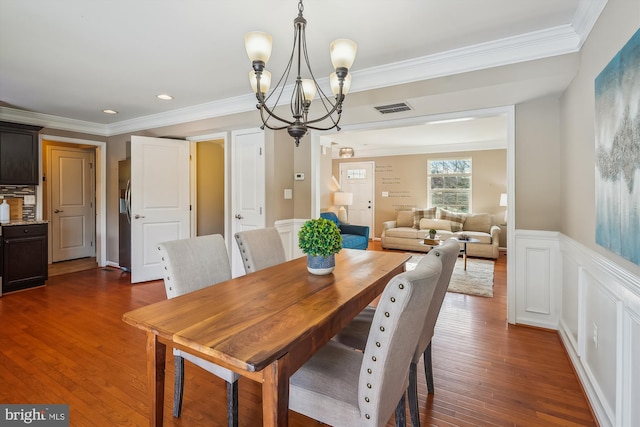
x: 353, y: 236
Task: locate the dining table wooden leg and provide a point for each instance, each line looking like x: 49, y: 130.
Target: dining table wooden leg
x: 156, y: 358
x: 275, y: 394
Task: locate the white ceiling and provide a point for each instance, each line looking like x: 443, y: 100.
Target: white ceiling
x: 62, y: 62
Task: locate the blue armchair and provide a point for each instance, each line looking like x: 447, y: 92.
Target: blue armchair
x: 353, y: 236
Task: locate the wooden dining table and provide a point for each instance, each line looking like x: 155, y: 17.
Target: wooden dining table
x: 263, y: 325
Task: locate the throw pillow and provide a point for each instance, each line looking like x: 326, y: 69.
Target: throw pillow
x: 477, y: 222
x: 437, y: 224
x: 418, y: 214
x: 456, y: 219
x: 404, y: 219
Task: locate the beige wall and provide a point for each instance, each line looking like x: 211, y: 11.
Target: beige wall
x: 210, y: 188
x: 405, y: 178
x: 618, y: 22
x: 538, y: 165
x: 279, y: 176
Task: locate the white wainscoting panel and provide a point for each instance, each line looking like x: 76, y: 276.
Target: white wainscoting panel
x: 288, y: 229
x: 602, y: 300
x: 538, y: 292
x: 630, y: 408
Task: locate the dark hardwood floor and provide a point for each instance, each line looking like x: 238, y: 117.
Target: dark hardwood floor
x: 66, y: 343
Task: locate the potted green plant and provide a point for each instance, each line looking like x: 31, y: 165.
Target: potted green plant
x: 320, y: 239
x: 432, y: 233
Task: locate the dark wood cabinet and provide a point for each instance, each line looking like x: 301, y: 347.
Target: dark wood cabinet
x: 24, y: 256
x: 19, y: 154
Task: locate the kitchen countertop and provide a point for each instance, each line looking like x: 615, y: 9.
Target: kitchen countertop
x: 23, y: 222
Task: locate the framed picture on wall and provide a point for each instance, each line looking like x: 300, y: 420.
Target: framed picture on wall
x: 617, y: 152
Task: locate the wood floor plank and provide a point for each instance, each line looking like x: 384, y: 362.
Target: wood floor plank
x: 66, y: 343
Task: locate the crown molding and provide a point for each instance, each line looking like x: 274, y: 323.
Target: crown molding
x: 560, y: 40
x: 49, y: 121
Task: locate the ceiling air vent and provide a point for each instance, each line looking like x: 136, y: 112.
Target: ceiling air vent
x: 393, y: 108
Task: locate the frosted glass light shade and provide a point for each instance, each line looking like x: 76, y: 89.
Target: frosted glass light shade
x: 308, y: 89
x: 265, y: 81
x: 335, y: 84
x: 341, y: 198
x: 343, y: 53
x: 258, y: 46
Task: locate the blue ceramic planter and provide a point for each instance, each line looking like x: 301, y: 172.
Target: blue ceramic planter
x: 320, y: 265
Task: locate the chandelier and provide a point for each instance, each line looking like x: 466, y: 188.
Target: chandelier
x: 343, y: 53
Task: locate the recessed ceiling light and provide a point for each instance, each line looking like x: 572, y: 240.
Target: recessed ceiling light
x: 164, y: 97
x: 109, y: 111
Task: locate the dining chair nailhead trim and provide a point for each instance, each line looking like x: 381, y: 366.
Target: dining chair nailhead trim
x: 437, y: 253
x: 401, y: 286
x: 378, y: 344
x: 382, y: 328
x: 393, y: 299
x: 369, y: 370
x: 374, y: 358
x: 368, y: 385
x: 367, y: 416
x: 366, y: 399
x: 386, y: 313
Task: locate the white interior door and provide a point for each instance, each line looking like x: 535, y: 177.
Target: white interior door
x: 159, y: 201
x: 247, y: 187
x: 72, y: 208
x: 358, y: 178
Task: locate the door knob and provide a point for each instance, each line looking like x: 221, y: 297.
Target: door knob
x: 57, y: 211
x: 238, y: 216
x: 139, y: 216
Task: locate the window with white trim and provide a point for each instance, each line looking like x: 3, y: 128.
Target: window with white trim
x: 449, y: 184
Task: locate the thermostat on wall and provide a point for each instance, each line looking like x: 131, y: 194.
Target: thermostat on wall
x: 299, y: 176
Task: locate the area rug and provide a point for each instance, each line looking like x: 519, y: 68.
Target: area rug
x: 477, y: 279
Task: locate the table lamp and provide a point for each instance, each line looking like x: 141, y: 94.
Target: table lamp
x: 503, y: 202
x: 342, y: 199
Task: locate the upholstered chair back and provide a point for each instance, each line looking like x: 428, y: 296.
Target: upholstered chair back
x: 448, y: 254
x: 260, y: 248
x: 195, y: 263
x: 392, y: 339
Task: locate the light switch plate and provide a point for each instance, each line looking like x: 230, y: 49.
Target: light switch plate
x: 288, y: 193
x: 29, y: 200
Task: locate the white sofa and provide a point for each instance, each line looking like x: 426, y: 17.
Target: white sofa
x: 410, y: 228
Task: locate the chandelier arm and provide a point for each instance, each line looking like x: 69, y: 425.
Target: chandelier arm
x: 322, y: 96
x: 263, y: 107
x: 326, y: 116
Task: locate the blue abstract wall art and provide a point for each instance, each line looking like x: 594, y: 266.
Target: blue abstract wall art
x: 617, y: 153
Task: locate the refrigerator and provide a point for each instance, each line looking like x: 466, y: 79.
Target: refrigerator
x: 124, y: 216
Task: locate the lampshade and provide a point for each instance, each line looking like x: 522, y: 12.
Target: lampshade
x: 258, y: 46
x: 265, y: 81
x: 341, y: 198
x: 343, y: 53
x: 346, y: 152
x: 335, y: 84
x: 503, y: 199
x: 308, y: 89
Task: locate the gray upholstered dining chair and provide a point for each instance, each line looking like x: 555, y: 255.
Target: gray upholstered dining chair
x: 340, y: 386
x: 189, y: 265
x: 356, y: 332
x: 260, y: 248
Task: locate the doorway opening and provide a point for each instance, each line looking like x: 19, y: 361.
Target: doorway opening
x: 97, y: 186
